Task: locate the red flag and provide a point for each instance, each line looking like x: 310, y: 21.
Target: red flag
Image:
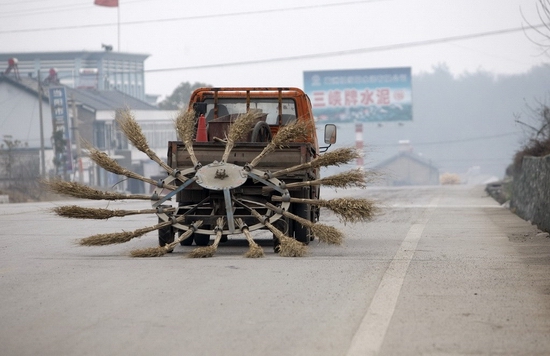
x: 109, y: 3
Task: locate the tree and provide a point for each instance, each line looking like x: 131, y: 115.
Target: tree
x: 542, y: 31
x: 180, y: 97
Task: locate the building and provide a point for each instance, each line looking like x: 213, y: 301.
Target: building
x: 408, y: 168
x: 26, y: 116
x: 101, y: 70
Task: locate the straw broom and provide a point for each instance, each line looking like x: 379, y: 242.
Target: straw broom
x: 185, y: 127
x: 209, y: 251
x: 125, y: 236
x: 325, y: 233
x: 349, y: 209
x: 133, y: 132
x: 291, y: 132
x: 110, y: 165
x: 353, y: 178
x: 334, y: 158
x: 77, y: 190
x: 239, y: 129
x: 254, y: 250
x: 162, y: 250
x: 289, y: 247
x: 78, y: 212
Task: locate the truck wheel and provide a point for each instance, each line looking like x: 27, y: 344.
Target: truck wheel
x: 201, y: 239
x: 301, y: 233
x: 166, y: 235
x: 188, y: 241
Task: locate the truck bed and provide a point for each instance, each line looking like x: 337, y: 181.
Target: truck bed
x: 243, y: 152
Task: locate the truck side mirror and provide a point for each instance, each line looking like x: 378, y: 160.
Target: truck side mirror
x: 330, y: 134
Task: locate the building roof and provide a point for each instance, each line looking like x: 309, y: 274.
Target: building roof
x: 409, y: 155
x: 69, y: 55
x: 91, y: 98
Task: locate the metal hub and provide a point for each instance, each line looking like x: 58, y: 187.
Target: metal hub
x: 220, y: 176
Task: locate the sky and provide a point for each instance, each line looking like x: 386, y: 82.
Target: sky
x: 271, y: 43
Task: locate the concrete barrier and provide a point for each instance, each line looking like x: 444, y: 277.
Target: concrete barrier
x: 531, y: 192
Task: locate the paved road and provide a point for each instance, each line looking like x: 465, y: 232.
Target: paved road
x: 443, y: 270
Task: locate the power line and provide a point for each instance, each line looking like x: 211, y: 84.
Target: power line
x: 196, y: 17
x: 350, y: 51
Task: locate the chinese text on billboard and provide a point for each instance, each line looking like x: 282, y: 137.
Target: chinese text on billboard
x: 361, y: 95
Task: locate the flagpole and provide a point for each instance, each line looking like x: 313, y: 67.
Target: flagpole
x: 118, y: 24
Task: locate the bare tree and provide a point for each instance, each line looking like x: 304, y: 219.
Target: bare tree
x: 541, y: 30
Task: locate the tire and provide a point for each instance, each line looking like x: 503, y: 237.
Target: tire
x: 261, y: 132
x: 301, y: 233
x: 166, y: 235
x: 188, y: 241
x: 201, y: 239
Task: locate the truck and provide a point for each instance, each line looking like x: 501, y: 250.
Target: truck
x: 230, y: 189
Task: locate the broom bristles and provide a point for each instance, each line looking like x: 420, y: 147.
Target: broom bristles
x: 288, y: 246
x: 242, y: 125
x: 349, y: 209
x: 132, y: 130
x: 109, y: 164
x: 353, y: 178
x: 210, y: 251
x: 294, y: 131
x: 109, y: 238
x: 185, y: 128
x: 185, y: 125
x: 337, y: 157
x: 291, y: 248
x: 254, y: 250
x: 239, y: 129
x: 77, y: 190
x: 162, y: 250
x: 149, y: 252
x: 203, y: 252
x: 135, y: 135
x: 352, y: 210
x: 327, y: 234
x: 78, y: 212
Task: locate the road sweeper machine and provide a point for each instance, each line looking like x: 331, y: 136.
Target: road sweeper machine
x: 247, y: 159
x: 248, y: 183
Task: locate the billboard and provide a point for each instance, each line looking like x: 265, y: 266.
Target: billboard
x: 360, y: 95
x: 60, y: 121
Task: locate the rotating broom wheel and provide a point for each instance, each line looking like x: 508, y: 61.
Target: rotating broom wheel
x: 222, y: 201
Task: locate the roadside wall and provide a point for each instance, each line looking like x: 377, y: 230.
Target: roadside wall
x: 531, y: 192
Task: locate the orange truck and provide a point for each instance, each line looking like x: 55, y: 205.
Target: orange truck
x: 230, y: 190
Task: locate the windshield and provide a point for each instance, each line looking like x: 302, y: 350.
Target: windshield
x: 267, y: 106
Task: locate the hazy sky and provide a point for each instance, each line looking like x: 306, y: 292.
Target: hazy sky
x: 304, y: 35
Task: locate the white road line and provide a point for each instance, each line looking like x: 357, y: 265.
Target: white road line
x: 370, y: 335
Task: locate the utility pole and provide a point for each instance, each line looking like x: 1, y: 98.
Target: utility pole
x: 40, y: 113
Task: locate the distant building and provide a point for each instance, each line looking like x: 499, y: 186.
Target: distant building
x: 95, y: 112
x: 101, y: 70
x: 408, y: 168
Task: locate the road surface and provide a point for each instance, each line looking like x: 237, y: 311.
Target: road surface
x: 440, y: 271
